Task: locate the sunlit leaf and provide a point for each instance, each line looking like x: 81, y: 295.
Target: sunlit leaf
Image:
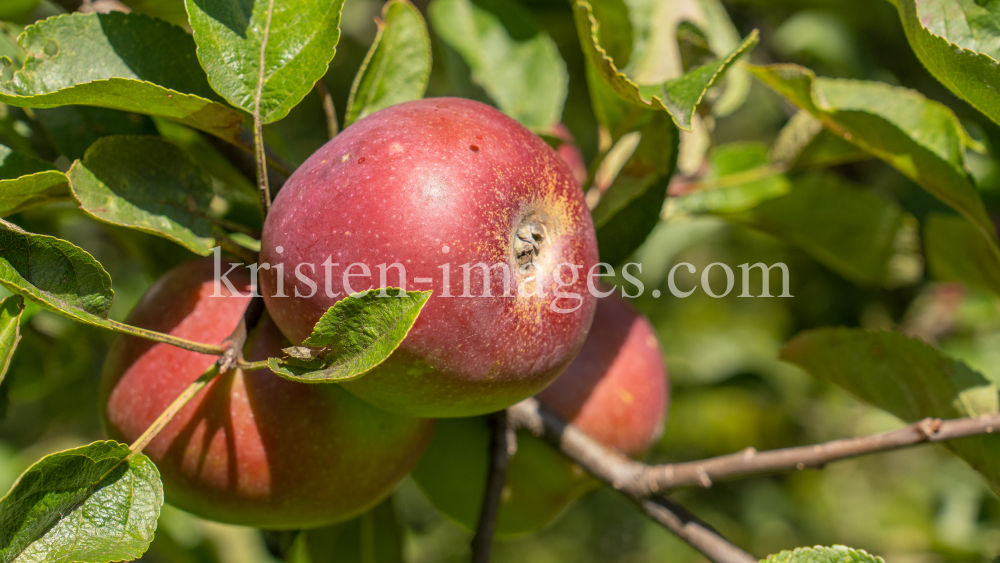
x: 919, y: 137
x: 266, y: 51
x: 91, y: 504
x: 147, y: 66
x: 511, y: 58
x: 959, y: 43
x: 356, y: 334
x: 397, y: 67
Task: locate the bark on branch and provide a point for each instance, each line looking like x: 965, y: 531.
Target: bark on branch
x: 642, y: 482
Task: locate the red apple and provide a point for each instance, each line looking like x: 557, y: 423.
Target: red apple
x: 616, y: 390
x: 251, y: 448
x: 432, y: 185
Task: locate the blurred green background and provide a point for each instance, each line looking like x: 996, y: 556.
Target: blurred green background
x: 729, y: 391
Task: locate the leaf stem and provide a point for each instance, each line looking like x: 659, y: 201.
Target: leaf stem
x: 331, y: 113
x: 168, y: 414
x: 258, y: 128
x: 253, y: 366
x: 199, y: 347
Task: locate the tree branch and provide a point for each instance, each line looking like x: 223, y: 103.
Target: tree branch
x: 502, y: 445
x: 640, y: 481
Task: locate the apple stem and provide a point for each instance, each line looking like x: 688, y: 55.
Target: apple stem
x: 168, y: 414
x: 184, y: 343
x: 503, y: 443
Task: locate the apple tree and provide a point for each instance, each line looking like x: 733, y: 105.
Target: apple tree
x: 778, y: 217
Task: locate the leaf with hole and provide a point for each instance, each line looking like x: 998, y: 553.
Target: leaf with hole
x: 353, y: 336
x: 147, y: 184
x: 906, y: 377
x: 265, y: 52
x: 398, y: 66
x: 91, y: 504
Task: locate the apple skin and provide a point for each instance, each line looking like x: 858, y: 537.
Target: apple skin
x: 424, y: 183
x: 251, y: 448
x: 616, y: 390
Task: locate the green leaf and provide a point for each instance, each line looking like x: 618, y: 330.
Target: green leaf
x: 353, y: 336
x: 11, y: 309
x: 835, y: 554
x: 630, y: 208
x: 804, y: 143
x: 739, y: 177
x: 906, y: 377
x: 60, y: 276
x: 146, y: 66
x: 859, y: 235
x: 956, y: 252
x: 511, y: 58
x: 26, y: 181
x: 921, y: 138
x: 90, y: 505
x: 679, y: 96
x: 374, y: 537
x: 959, y: 43
x: 398, y: 66
x: 294, y: 39
x: 147, y: 184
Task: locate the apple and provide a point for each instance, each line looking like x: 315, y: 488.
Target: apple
x: 616, y: 390
x: 406, y: 197
x: 250, y: 448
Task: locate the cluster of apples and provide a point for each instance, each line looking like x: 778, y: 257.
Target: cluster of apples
x: 424, y: 184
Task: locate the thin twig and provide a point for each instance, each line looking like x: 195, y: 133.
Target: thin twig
x: 640, y: 479
x: 502, y: 445
x: 258, y: 127
x: 331, y: 112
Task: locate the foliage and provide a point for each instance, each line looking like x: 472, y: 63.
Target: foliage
x: 857, y: 143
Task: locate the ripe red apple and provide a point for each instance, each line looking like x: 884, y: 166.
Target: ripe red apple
x: 251, y: 448
x: 616, y: 390
x: 433, y: 185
